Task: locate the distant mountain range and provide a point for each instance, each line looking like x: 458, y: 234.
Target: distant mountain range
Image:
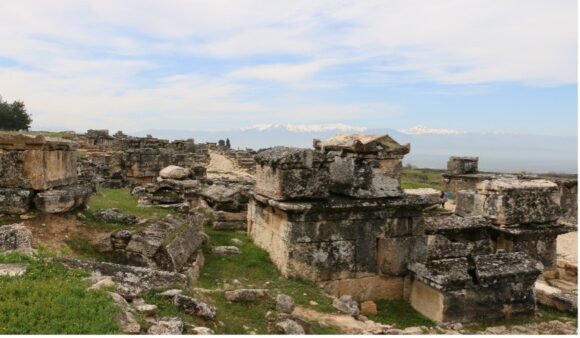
x: 429, y: 149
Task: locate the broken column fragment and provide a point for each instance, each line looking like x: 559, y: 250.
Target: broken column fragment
x: 364, y: 166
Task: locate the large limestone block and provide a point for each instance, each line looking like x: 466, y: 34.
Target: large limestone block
x: 37, y: 162
x: 15, y: 201
x: 515, y: 201
x: 63, y: 199
x: 284, y: 173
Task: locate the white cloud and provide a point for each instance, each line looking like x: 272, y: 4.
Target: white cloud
x: 421, y: 130
x: 301, y: 128
x: 101, y: 63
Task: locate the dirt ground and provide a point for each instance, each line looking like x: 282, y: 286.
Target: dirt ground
x: 222, y: 167
x: 53, y: 230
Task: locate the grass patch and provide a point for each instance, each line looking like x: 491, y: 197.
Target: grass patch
x: 401, y: 314
x: 252, y: 269
x: 414, y: 178
x: 51, y: 299
x: 124, y: 201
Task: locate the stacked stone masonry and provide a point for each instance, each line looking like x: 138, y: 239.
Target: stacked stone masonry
x: 337, y: 215
x: 39, y: 172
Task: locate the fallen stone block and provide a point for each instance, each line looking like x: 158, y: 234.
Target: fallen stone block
x: 284, y: 303
x: 132, y: 280
x: 246, y: 295
x: 15, y: 237
x: 194, y: 307
x: 289, y: 326
x: 12, y: 270
x: 63, y: 199
x: 175, y: 172
x: 346, y: 304
x: 167, y: 326
x: 555, y: 298
x: 114, y: 215
x: 226, y: 250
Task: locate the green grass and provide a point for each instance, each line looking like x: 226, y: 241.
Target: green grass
x: 413, y: 178
x: 253, y: 269
x: 399, y: 313
x: 51, y: 299
x: 122, y: 200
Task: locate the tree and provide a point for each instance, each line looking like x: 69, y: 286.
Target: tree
x: 191, y: 145
x: 228, y: 145
x: 221, y: 143
x: 13, y: 116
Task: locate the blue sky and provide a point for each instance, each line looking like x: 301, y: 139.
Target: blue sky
x: 449, y: 65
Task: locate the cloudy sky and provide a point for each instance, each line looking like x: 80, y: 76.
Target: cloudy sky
x: 457, y: 65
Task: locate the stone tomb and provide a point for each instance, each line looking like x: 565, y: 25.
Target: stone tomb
x: 493, y: 287
x: 364, y: 166
x: 351, y: 245
x: 370, y: 240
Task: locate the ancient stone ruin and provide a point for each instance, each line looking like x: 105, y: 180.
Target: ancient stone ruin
x: 39, y: 172
x: 338, y: 216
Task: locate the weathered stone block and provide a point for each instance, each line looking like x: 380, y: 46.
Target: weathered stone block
x: 15, y: 201
x: 284, y: 173
x: 462, y: 165
x: 365, y: 178
x: 179, y: 247
x: 395, y: 253
x: 364, y: 166
x: 469, y: 203
x: 38, y: 163
x: 63, y: 199
x: 500, y: 286
x: 15, y: 237
x: 512, y: 201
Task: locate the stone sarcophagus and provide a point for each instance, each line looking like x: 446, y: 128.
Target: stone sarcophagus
x: 364, y: 166
x: 284, y: 173
x: 490, y: 288
x: 315, y: 228
x: 462, y: 165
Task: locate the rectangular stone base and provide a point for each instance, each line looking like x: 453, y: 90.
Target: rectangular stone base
x: 367, y: 288
x: 475, y: 303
